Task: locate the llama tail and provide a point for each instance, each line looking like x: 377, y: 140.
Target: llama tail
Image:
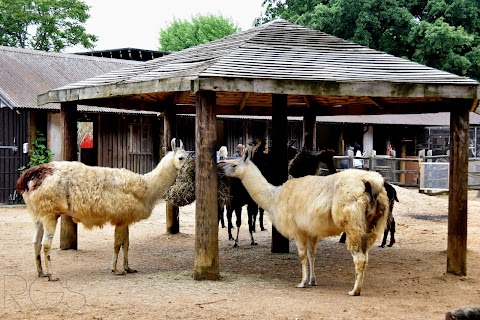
x: 33, y: 177
x: 377, y: 212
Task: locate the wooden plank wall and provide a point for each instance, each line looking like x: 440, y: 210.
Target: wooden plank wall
x: 128, y: 142
x: 237, y: 131
x: 13, y: 126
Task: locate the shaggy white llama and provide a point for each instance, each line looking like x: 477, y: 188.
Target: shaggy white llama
x: 313, y: 207
x: 93, y: 196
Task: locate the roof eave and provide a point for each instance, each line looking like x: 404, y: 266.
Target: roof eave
x: 115, y: 90
x: 339, y: 88
x: 273, y: 86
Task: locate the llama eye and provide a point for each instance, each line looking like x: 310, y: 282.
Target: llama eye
x: 181, y: 158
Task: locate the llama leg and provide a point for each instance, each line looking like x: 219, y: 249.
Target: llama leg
x: 343, y: 237
x: 37, y: 246
x: 238, y: 213
x: 220, y: 216
x: 252, y: 217
x: 260, y: 219
x: 49, y: 227
x: 302, y: 253
x: 311, y: 253
x: 252, y: 211
x: 385, y: 234
x: 229, y: 222
x: 360, y: 259
x: 392, y: 233
x: 125, y: 245
x: 118, y: 241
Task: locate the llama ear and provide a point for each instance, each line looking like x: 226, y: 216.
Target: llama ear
x: 181, y: 144
x: 246, y: 155
x: 173, y: 144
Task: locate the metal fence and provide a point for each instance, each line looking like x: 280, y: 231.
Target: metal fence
x: 428, y: 173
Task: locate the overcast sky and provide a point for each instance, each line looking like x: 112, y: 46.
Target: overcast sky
x: 136, y: 24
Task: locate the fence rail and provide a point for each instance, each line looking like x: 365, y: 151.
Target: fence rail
x: 426, y: 172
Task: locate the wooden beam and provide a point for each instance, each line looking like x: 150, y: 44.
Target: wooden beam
x: 172, y: 222
x: 280, y: 244
x: 458, y: 188
x: 339, y: 88
x: 68, y: 120
x: 244, y: 100
x: 309, y: 129
x: 206, y: 210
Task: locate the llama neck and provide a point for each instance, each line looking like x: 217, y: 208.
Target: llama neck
x: 261, y: 191
x: 162, y: 177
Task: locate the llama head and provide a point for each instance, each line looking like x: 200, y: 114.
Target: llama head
x: 236, y: 168
x: 179, y: 154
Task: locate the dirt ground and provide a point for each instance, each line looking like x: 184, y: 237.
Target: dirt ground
x: 407, y: 281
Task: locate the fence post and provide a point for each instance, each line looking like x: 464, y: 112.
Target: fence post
x: 371, y: 161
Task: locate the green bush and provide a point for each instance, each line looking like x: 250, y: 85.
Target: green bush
x: 40, y: 153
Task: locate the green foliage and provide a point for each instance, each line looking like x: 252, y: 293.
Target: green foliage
x: 40, y: 153
x: 444, y: 34
x: 182, y: 34
x: 47, y: 25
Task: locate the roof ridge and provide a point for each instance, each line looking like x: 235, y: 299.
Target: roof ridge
x: 64, y: 55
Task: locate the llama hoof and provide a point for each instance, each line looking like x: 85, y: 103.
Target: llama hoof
x: 118, y: 273
x: 382, y: 246
x: 254, y: 243
x: 353, y: 293
x: 301, y: 285
x: 230, y: 238
x: 128, y: 270
x: 235, y: 245
x: 42, y: 275
x: 263, y: 229
x: 51, y: 277
x: 313, y: 283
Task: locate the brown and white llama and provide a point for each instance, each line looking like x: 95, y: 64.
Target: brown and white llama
x: 313, y: 207
x: 93, y: 196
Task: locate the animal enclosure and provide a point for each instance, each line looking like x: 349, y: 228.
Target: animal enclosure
x: 408, y: 279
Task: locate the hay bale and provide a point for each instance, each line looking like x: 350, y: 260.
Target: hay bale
x: 182, y: 192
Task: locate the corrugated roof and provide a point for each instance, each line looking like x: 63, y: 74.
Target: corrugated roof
x: 24, y: 74
x: 422, y: 119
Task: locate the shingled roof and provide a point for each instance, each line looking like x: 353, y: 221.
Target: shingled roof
x: 27, y: 73
x: 312, y: 67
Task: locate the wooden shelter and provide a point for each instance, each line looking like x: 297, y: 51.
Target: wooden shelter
x: 281, y: 69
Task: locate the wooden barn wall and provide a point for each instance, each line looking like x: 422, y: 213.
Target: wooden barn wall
x: 130, y: 142
x: 13, y: 132
x: 236, y: 131
x: 186, y: 132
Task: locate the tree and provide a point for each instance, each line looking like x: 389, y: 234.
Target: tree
x: 47, y: 25
x: 182, y: 34
x: 444, y: 34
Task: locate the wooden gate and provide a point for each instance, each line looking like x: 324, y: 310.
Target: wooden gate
x: 13, y: 134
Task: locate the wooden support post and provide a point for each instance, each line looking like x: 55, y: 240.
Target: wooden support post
x: 171, y: 211
x: 68, y: 120
x: 458, y: 189
x: 280, y: 244
x: 206, y: 210
x: 310, y: 129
